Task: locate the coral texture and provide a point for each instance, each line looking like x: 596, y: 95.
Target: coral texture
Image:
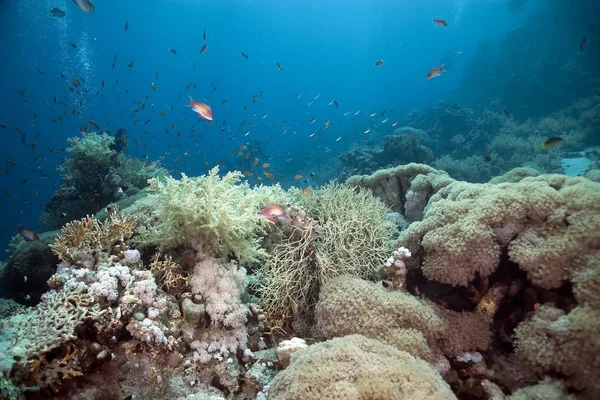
x: 352, y: 306
x: 357, y: 368
x: 220, y: 213
x: 555, y: 342
x: 546, y: 223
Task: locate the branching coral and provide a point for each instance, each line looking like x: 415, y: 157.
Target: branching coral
x: 91, y: 158
x: 290, y: 278
x: 220, y: 213
x: 93, y: 234
x: 169, y: 274
x: 355, y: 235
x: 347, y: 233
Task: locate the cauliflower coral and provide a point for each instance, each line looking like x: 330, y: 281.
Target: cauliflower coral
x: 548, y: 224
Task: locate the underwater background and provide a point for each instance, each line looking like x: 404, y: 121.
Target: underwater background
x: 519, y: 56
x: 300, y: 200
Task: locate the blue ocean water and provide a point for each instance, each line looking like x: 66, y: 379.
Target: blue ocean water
x: 325, y: 48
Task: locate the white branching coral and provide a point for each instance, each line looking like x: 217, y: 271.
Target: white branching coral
x: 222, y: 213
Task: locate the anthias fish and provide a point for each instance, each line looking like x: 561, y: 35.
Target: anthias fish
x: 435, y: 72
x: 202, y: 109
x: 273, y: 212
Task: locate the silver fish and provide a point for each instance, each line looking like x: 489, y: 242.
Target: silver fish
x: 85, y: 5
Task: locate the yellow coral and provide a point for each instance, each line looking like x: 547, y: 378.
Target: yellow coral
x: 92, y: 233
x: 169, y: 273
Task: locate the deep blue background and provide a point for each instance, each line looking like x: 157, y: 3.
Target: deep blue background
x: 325, y: 47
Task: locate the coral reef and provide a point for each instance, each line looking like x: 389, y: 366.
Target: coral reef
x: 517, y: 259
x: 94, y: 176
x: 490, y: 291
x: 354, y: 367
x: 466, y: 226
x: 220, y: 213
x: 79, y: 239
x: 487, y: 143
x: 343, y: 231
x: 404, y: 146
x: 33, y: 260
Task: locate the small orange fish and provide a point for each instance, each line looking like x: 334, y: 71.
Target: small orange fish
x: 255, y: 161
x: 435, y: 72
x: 247, y: 173
x: 265, y: 165
x: 307, y: 191
x: 298, y: 176
x: 440, y: 22
x: 269, y: 175
x: 202, y: 109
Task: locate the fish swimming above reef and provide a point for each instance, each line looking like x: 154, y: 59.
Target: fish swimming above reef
x: 57, y: 12
x: 379, y: 63
x: 120, y: 140
x: 28, y: 234
x: 85, y: 5
x: 202, y: 109
x: 440, y: 22
x: 435, y: 72
x: 553, y: 142
x: 273, y: 212
x: 582, y: 44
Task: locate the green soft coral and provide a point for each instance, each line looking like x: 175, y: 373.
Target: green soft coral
x: 221, y: 214
x: 91, y: 157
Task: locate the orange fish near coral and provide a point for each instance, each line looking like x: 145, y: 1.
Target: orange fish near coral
x: 273, y: 212
x: 202, y: 109
x: 435, y: 72
x: 269, y: 175
x: 440, y: 22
